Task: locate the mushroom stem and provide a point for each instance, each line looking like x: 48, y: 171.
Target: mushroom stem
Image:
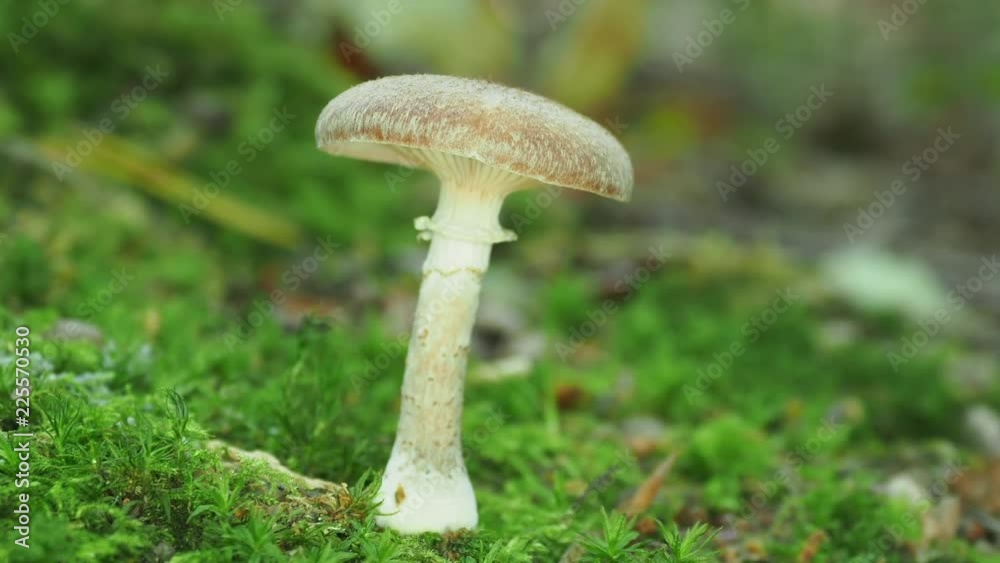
x: 425, y: 487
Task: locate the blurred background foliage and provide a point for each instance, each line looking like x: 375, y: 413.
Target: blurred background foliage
x: 154, y: 198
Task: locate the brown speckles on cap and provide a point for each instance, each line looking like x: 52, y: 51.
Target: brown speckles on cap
x: 499, y: 126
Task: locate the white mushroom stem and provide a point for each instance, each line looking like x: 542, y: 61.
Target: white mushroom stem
x: 425, y: 487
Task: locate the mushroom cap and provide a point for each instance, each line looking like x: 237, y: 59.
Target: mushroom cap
x: 506, y: 128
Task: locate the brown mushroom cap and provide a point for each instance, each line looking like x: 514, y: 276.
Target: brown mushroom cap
x: 502, y: 127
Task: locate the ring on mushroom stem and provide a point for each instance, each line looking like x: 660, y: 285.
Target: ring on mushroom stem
x: 483, y: 141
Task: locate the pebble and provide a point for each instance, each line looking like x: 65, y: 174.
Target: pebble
x: 643, y: 434
x: 983, y: 425
x: 75, y: 330
x: 904, y: 487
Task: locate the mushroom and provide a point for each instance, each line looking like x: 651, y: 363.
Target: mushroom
x: 483, y: 141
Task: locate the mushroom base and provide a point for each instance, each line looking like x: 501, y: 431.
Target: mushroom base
x: 419, y: 499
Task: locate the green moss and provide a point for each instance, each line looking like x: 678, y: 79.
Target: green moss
x: 26, y: 276
x: 861, y: 526
x: 789, y: 436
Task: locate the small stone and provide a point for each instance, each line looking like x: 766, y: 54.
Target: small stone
x: 984, y: 427
x: 511, y: 367
x: 837, y: 334
x: 163, y: 552
x: 904, y: 487
x: 972, y: 373
x: 75, y: 330
x: 643, y: 434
